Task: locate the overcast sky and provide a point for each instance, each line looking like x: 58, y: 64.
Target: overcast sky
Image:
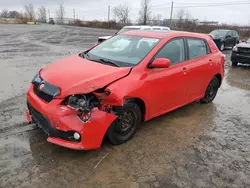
x: 97, y: 9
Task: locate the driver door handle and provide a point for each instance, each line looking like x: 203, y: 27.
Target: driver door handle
x: 184, y: 70
x: 210, y: 62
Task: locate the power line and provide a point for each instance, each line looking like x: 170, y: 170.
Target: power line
x: 179, y: 2
x: 178, y: 5
x: 213, y: 5
x: 207, y: 5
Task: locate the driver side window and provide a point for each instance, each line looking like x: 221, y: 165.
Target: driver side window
x: 174, y: 51
x: 230, y: 33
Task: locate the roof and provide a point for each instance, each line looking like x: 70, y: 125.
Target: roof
x: 144, y: 26
x: 137, y: 26
x: 163, y: 34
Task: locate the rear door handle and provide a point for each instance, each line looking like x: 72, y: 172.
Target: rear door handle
x: 210, y: 61
x: 184, y: 70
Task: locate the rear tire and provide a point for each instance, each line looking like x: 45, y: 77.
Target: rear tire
x: 234, y: 63
x: 124, y: 127
x: 211, y: 91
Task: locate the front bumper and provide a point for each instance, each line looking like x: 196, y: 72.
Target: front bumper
x: 60, y: 122
x: 240, y: 58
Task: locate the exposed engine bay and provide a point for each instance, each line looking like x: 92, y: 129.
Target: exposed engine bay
x: 84, y: 103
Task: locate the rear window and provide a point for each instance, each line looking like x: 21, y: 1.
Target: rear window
x: 197, y: 48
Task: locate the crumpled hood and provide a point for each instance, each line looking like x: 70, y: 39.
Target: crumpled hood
x: 243, y: 45
x: 75, y: 75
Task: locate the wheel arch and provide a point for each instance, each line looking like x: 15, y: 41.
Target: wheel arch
x: 140, y: 103
x: 219, y: 78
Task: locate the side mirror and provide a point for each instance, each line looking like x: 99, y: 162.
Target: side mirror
x: 228, y: 36
x: 160, y: 63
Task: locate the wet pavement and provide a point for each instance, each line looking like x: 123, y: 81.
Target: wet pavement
x: 195, y: 146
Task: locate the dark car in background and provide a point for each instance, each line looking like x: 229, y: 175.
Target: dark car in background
x: 225, y: 38
x: 241, y: 53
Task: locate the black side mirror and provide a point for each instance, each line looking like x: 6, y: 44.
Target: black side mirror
x: 228, y: 36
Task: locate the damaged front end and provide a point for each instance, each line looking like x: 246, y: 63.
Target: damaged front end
x: 85, y: 103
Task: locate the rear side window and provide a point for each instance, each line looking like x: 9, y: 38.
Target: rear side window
x: 197, y: 48
x: 174, y: 51
x: 236, y: 34
x: 230, y: 33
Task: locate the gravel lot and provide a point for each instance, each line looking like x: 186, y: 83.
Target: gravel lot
x: 194, y: 146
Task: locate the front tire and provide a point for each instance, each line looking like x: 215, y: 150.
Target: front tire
x: 211, y: 91
x: 124, y: 127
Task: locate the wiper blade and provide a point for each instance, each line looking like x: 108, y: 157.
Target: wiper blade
x: 108, y: 62
x: 85, y: 55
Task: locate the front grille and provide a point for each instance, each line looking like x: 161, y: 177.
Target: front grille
x: 244, y: 50
x: 40, y: 119
x: 44, y: 96
x: 46, y: 126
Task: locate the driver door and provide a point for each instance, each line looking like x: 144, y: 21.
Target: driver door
x: 168, y: 86
x: 229, y: 39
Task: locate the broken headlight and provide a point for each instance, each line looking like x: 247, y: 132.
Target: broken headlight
x: 83, y: 104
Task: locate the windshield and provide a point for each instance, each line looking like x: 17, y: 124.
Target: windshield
x: 219, y: 32
x: 248, y: 41
x: 128, y: 29
x: 123, y: 50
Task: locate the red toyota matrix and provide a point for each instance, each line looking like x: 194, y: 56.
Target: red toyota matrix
x: 113, y: 87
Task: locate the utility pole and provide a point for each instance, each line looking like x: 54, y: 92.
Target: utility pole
x: 171, y: 14
x: 108, y: 16
x: 74, y: 14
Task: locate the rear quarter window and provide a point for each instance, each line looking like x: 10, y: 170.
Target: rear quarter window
x: 197, y: 48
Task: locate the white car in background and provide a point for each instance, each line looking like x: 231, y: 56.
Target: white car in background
x: 134, y: 27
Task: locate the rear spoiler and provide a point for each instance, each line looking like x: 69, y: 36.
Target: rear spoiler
x: 211, y: 36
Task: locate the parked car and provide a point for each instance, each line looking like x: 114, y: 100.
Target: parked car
x: 225, y: 38
x: 51, y: 21
x: 135, y: 27
x: 114, y: 86
x: 241, y: 53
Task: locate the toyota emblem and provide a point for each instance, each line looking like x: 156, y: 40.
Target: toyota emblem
x: 41, y: 86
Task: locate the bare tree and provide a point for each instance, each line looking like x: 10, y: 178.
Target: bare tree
x: 4, y: 13
x: 187, y: 15
x: 14, y: 14
x: 60, y: 14
x: 180, y: 15
x: 156, y: 19
x: 30, y: 11
x: 42, y: 14
x: 122, y: 13
x: 145, y: 12
x: 159, y: 16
